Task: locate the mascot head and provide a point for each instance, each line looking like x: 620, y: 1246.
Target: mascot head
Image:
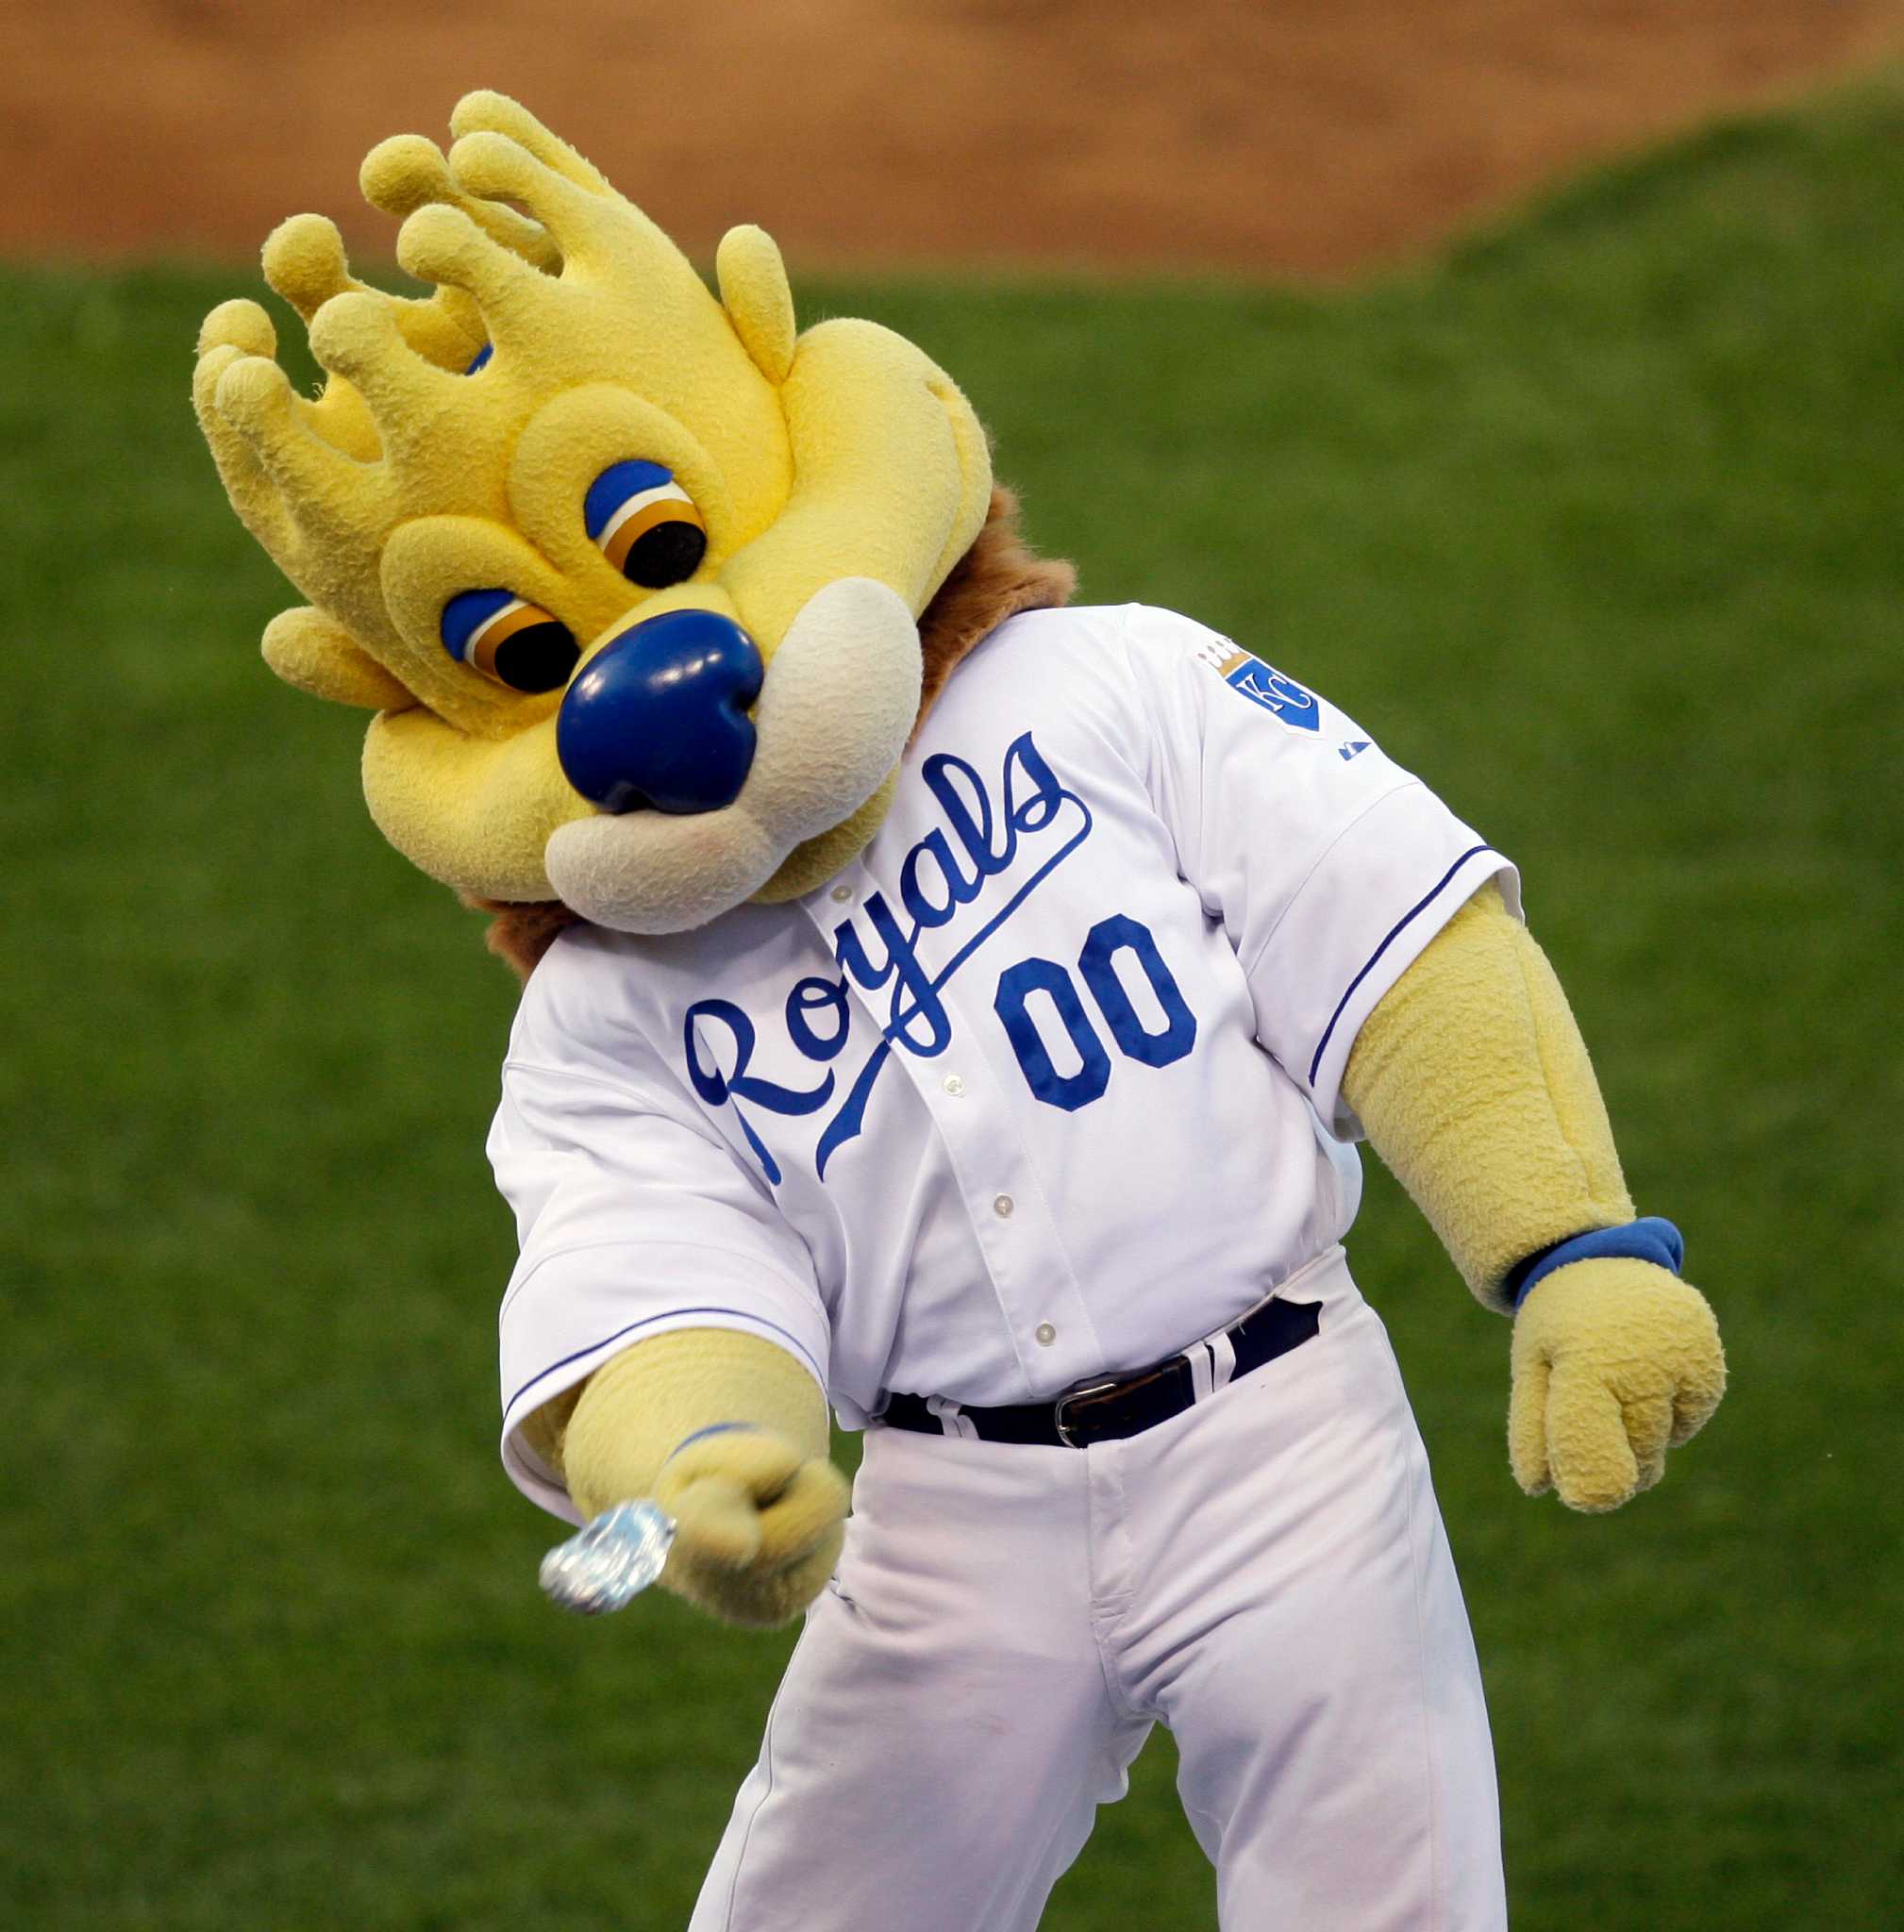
x: 631, y: 575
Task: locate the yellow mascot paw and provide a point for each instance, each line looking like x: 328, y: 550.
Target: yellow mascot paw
x: 1614, y: 1362
x: 759, y: 1523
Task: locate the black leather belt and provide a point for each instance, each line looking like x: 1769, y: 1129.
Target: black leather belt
x: 1121, y: 1406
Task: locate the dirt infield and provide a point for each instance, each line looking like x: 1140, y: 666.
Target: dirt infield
x: 1306, y: 136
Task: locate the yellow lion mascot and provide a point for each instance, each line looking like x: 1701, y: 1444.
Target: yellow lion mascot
x: 959, y: 1008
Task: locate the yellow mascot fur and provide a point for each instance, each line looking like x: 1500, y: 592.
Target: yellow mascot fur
x: 572, y: 484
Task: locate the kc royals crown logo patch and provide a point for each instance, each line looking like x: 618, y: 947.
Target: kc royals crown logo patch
x: 1281, y: 696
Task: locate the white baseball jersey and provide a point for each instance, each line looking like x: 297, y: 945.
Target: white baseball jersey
x: 1043, y: 1086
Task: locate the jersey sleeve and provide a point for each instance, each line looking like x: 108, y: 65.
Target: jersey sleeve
x: 1329, y: 866
x: 634, y: 1219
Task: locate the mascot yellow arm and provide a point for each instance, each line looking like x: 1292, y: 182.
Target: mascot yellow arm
x: 729, y: 1435
x: 1472, y: 1084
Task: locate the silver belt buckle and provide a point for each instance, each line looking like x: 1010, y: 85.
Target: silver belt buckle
x: 1078, y: 1394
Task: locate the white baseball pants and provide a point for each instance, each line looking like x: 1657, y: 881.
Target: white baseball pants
x: 1266, y: 1574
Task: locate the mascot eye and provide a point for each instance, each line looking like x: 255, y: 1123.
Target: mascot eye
x: 511, y: 641
x: 645, y: 524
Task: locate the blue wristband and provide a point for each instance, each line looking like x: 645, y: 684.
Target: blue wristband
x: 1650, y: 1240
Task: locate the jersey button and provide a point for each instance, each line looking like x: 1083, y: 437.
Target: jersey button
x: 955, y: 1085
x: 841, y: 893
x: 1002, y: 1206
x: 1045, y: 1333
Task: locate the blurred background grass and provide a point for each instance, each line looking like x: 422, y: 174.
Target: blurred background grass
x: 1594, y: 521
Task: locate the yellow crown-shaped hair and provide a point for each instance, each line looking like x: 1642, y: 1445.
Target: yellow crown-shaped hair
x: 591, y: 292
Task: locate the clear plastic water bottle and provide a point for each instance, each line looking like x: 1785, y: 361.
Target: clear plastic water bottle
x: 612, y: 1562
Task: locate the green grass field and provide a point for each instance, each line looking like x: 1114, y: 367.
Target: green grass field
x: 1597, y: 520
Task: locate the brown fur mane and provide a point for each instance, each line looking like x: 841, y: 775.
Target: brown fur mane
x: 998, y: 576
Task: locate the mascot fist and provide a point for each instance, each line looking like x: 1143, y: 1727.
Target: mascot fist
x: 728, y: 1434
x: 759, y: 1524
x: 1614, y: 1362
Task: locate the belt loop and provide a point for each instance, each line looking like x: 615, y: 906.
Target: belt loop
x: 1202, y: 1360
x: 952, y: 1418
x: 1223, y: 1350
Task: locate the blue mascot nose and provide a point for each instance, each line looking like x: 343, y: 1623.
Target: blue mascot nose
x: 659, y: 717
